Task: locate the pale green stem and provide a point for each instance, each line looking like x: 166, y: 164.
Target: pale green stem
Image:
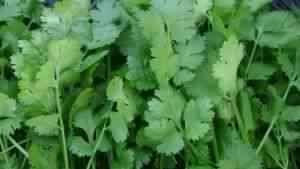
x: 4, y: 154
x: 98, y: 143
x: 62, y: 128
x: 18, y: 146
x: 274, y: 119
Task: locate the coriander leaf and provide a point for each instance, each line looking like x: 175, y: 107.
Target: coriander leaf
x: 179, y: 18
x: 115, y: 90
x: 83, y: 100
x: 142, y: 158
x: 198, y: 117
x: 86, y: 121
x: 286, y: 65
x: 190, y: 54
x: 7, y: 106
x: 291, y: 114
x: 105, y: 29
x: 134, y: 45
x: 183, y: 76
x: 260, y: 71
x: 235, y: 158
x: 9, y: 125
x: 277, y: 28
x: 65, y: 53
x: 80, y: 147
x: 230, y: 4
x: 92, y: 60
x: 118, y: 126
x: 165, y: 136
x: 46, y: 125
x: 225, y: 70
x: 201, y: 7
x: 168, y: 104
x: 44, y: 151
x: 255, y: 5
x: 10, y: 9
x: 124, y: 159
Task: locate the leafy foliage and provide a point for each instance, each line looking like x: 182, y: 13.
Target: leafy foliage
x: 124, y: 84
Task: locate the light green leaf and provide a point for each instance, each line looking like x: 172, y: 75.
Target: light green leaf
x: 92, y: 59
x: 167, y: 139
x: 225, y: 70
x: 260, y: 71
x: 80, y: 147
x: 65, y: 53
x: 46, y: 125
x: 86, y: 121
x: 235, y: 158
x: 7, y: 106
x: 198, y: 117
x: 183, y: 76
x: 168, y: 104
x: 115, y: 91
x: 118, y: 127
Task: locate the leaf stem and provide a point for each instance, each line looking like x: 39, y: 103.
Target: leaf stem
x: 4, y: 153
x: 98, y: 142
x: 62, y: 128
x: 18, y: 146
x: 253, y: 51
x: 275, y: 118
x: 240, y: 124
x: 12, y: 147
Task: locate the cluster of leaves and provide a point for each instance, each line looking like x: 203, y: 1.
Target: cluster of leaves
x: 123, y: 84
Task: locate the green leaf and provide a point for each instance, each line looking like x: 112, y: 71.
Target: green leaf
x: 179, y: 18
x: 118, y: 127
x: 134, y: 45
x: 198, y: 118
x: 124, y: 159
x: 105, y: 31
x: 164, y: 62
x: 115, y: 91
x: 277, y: 28
x: 168, y: 140
x: 80, y: 147
x: 286, y: 65
x: 183, y: 76
x: 201, y: 7
x: 142, y: 158
x: 168, y: 104
x: 191, y: 54
x: 291, y: 114
x: 260, y: 71
x: 86, y: 121
x: 46, y: 125
x: 7, y: 106
x: 10, y: 9
x: 255, y: 5
x: 65, y: 53
x: 9, y: 125
x: 92, y: 60
x: 235, y: 158
x: 44, y: 151
x: 225, y: 70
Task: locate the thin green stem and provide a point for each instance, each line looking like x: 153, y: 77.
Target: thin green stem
x: 13, y: 146
x: 60, y: 112
x: 215, y: 146
x: 240, y: 124
x: 4, y: 154
x: 253, y: 51
x: 18, y: 146
x: 274, y: 119
x: 98, y: 143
